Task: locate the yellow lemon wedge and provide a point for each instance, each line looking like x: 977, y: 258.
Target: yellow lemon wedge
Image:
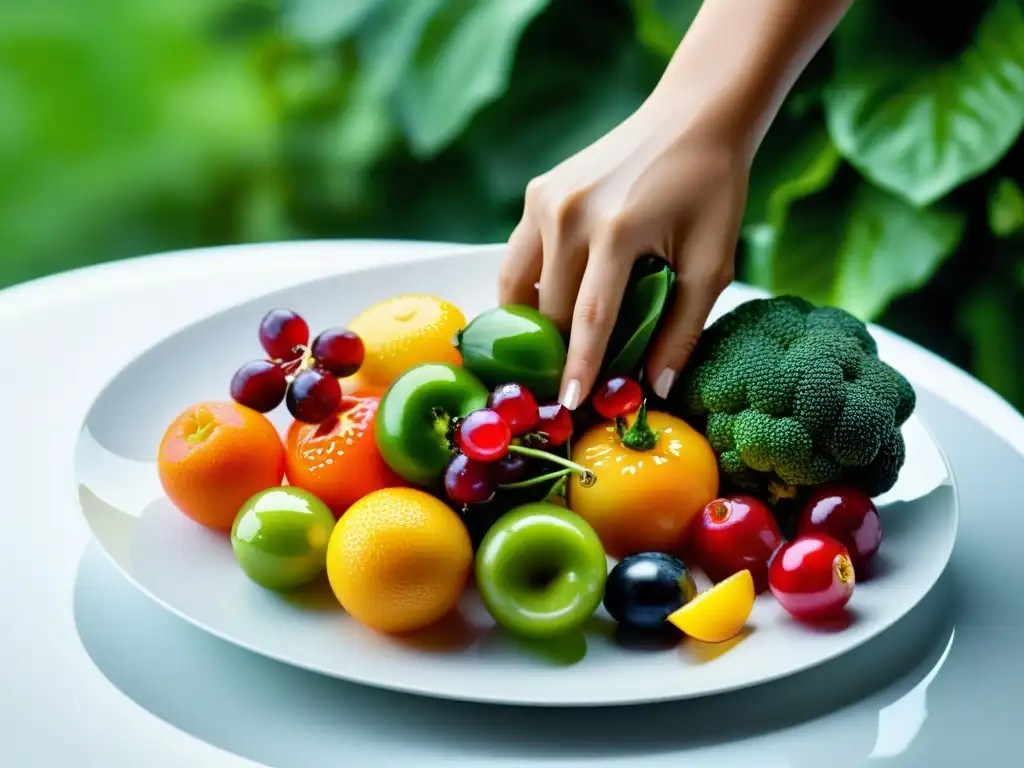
x: 718, y: 614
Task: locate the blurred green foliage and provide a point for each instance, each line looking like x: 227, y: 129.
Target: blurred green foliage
x: 890, y: 184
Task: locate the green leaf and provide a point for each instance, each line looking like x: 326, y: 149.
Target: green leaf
x: 661, y: 24
x: 324, y: 21
x: 387, y: 42
x: 459, y: 69
x: 643, y: 306
x: 991, y: 318
x: 914, y: 123
x: 1006, y: 208
x: 857, y: 248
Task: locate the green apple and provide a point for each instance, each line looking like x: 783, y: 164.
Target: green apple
x: 541, y: 570
x: 280, y: 537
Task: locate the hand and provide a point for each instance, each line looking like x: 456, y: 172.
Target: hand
x: 653, y: 185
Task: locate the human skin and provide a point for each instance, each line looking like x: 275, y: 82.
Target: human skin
x: 670, y: 180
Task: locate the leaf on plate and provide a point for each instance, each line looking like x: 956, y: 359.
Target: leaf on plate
x: 661, y: 24
x: 1006, y: 208
x: 463, y: 62
x: 856, y: 247
x: 644, y: 304
x: 914, y: 123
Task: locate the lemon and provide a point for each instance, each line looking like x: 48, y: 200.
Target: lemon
x: 719, y: 613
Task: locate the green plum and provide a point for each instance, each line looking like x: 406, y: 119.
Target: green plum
x: 514, y: 343
x: 541, y: 570
x: 280, y: 537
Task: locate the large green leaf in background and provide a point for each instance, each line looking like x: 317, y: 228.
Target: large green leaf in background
x: 991, y: 318
x: 913, y: 123
x: 324, y: 21
x: 854, y: 246
x: 1006, y: 208
x: 661, y: 24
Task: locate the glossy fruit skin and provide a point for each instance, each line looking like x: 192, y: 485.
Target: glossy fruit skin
x: 483, y: 436
x: 517, y: 406
x: 644, y: 501
x: 280, y: 537
x: 338, y: 460
x: 404, y: 331
x: 735, y: 533
x: 338, y: 351
x: 399, y: 560
x: 214, y: 456
x: 260, y: 385
x: 282, y: 334
x: 812, y: 577
x: 556, y: 423
x: 512, y: 468
x: 643, y: 589
x: 313, y: 396
x: 514, y: 343
x: 412, y: 441
x: 720, y: 612
x: 541, y: 570
x: 847, y: 515
x: 618, y: 396
x: 467, y: 481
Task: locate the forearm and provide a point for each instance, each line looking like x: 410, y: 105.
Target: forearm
x: 738, y: 61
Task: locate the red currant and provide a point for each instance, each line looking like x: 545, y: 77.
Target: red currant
x: 283, y: 334
x: 483, y: 435
x: 847, y: 515
x: 735, y: 533
x: 260, y: 385
x: 339, y: 351
x: 812, y: 577
x: 313, y: 396
x: 511, y: 469
x: 467, y: 481
x: 517, y: 406
x: 555, y: 422
x: 617, y: 397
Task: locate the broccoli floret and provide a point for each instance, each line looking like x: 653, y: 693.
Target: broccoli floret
x: 792, y: 395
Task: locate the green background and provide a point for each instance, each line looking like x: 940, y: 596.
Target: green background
x: 889, y: 184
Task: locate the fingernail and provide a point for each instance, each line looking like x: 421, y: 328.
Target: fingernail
x: 571, y: 395
x: 664, y: 383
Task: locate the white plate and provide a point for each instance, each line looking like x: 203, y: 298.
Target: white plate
x: 192, y: 572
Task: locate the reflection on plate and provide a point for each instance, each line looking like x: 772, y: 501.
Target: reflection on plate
x: 192, y: 572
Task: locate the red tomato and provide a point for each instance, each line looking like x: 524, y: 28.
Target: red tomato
x: 338, y: 461
x: 732, y: 534
x: 812, y: 577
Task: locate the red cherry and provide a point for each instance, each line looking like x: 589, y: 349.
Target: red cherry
x: 313, y: 396
x: 847, y: 515
x: 555, y: 422
x: 812, y: 577
x: 511, y: 469
x: 283, y: 334
x: 617, y: 397
x: 732, y: 534
x: 483, y: 435
x: 339, y: 351
x: 517, y: 406
x: 260, y: 385
x: 467, y: 481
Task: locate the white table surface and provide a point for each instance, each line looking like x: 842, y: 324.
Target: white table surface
x: 94, y: 674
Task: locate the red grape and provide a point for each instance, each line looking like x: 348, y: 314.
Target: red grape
x: 812, y: 577
x: 467, y: 481
x: 617, y: 397
x: 339, y: 351
x: 511, y: 469
x: 556, y: 423
x: 517, y: 406
x: 260, y: 385
x: 483, y: 435
x: 735, y: 533
x: 282, y: 334
x: 314, y: 396
x: 847, y: 515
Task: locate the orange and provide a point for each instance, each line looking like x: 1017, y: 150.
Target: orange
x: 214, y: 456
x: 404, y: 331
x: 399, y: 559
x: 719, y: 613
x: 338, y: 461
x: 644, y: 500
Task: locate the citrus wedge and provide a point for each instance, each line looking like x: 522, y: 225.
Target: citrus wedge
x: 718, y: 614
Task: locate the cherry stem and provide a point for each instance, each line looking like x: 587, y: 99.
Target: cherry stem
x: 640, y: 436
x: 587, y: 478
x: 538, y: 480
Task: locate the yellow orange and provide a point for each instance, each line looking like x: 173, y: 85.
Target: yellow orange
x: 399, y: 559
x: 719, y: 613
x: 404, y: 331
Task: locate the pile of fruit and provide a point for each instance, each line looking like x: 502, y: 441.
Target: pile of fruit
x: 428, y: 455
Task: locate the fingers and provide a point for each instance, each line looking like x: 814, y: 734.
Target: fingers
x: 560, y: 278
x: 596, y: 309
x: 521, y: 267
